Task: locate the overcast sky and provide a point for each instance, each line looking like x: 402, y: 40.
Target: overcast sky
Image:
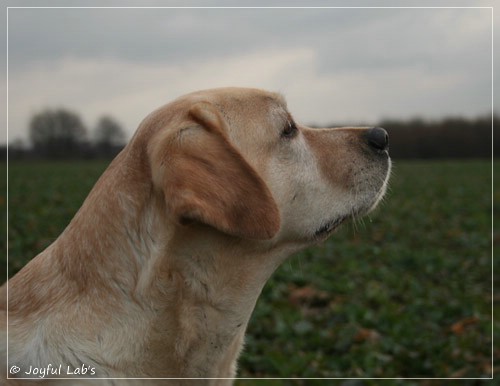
x: 333, y: 65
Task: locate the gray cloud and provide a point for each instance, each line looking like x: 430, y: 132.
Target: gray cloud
x: 333, y: 64
x: 349, y: 38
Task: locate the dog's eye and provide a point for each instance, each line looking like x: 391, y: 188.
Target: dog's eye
x: 290, y: 130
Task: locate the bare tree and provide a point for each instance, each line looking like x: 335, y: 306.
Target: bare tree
x: 57, y: 133
x: 109, y: 132
x: 109, y: 137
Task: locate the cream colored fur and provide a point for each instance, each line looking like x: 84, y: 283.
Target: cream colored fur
x: 159, y: 271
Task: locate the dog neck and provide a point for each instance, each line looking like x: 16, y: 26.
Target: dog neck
x: 203, y: 285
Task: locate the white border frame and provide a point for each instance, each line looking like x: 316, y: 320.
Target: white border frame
x: 262, y: 7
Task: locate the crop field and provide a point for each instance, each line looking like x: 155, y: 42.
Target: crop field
x: 404, y: 292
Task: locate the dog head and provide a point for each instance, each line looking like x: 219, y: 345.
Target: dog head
x: 234, y: 159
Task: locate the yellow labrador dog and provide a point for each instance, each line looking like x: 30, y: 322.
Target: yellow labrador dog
x: 159, y: 271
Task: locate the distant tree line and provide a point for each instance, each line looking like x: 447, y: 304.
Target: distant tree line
x: 61, y: 134
x: 446, y: 138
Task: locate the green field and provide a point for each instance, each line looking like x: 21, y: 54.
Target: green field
x: 406, y: 292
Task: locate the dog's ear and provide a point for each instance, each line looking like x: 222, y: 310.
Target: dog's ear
x: 205, y: 179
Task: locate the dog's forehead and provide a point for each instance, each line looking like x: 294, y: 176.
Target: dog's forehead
x: 240, y: 105
x: 236, y: 98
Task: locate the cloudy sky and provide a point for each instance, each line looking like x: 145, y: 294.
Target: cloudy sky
x: 333, y: 65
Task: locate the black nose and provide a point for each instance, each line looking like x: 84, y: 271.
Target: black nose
x: 377, y: 138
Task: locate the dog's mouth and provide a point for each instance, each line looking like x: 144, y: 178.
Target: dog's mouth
x: 327, y: 228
